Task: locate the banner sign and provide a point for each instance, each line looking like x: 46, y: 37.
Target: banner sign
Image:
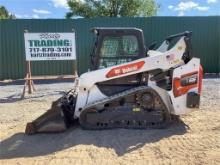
x: 50, y: 46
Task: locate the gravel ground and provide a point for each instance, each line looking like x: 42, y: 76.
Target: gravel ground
x: 195, y: 139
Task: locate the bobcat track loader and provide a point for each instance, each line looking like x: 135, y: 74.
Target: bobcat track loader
x: 129, y: 85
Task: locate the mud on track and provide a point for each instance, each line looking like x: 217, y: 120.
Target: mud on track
x: 195, y: 139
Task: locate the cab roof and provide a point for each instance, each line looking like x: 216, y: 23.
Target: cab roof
x: 114, y: 29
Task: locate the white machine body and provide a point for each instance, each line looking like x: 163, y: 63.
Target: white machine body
x: 162, y: 59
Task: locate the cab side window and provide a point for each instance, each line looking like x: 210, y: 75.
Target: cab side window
x: 117, y: 50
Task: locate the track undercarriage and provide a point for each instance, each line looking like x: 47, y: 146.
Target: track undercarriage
x: 137, y: 108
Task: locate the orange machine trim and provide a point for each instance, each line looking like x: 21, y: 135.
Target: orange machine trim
x: 200, y: 78
x: 179, y: 90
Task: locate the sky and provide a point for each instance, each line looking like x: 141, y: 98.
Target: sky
x: 43, y: 9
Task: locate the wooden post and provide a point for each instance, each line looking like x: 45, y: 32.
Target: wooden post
x: 28, y: 63
x: 75, y: 62
x: 75, y: 68
x: 28, y: 80
x: 23, y: 93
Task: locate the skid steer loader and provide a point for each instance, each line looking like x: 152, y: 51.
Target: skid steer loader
x: 128, y: 85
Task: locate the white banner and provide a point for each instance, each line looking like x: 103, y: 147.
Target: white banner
x: 50, y: 46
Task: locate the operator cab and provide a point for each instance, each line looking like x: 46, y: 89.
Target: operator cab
x: 114, y: 46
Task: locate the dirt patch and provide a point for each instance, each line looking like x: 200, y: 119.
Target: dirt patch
x: 193, y: 140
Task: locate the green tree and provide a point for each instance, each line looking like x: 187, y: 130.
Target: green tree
x: 4, y: 14
x: 111, y: 8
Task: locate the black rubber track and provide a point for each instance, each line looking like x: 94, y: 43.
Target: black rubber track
x: 92, y: 117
